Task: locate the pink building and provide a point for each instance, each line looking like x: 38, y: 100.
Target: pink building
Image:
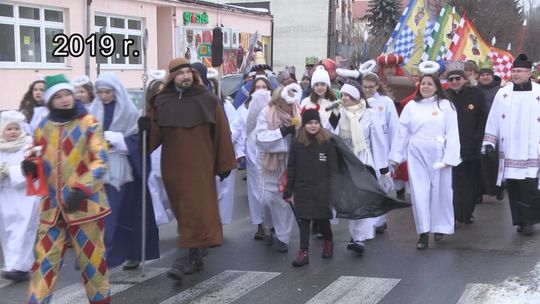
x: 175, y: 28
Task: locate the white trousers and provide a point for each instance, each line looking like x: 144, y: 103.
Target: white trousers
x: 361, y: 230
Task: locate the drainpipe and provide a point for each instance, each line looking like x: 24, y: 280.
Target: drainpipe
x: 88, y: 31
x: 272, y: 43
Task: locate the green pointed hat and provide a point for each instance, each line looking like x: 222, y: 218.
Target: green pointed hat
x: 486, y: 66
x: 54, y: 84
x: 311, y: 60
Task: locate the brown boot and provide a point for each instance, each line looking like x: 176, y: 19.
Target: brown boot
x: 302, y: 258
x: 328, y: 249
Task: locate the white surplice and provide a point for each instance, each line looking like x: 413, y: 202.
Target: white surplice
x: 18, y: 215
x: 428, y: 134
x: 323, y: 104
x: 514, y: 126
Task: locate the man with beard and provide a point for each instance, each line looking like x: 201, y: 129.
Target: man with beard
x: 190, y: 124
x: 471, y: 113
x: 513, y: 127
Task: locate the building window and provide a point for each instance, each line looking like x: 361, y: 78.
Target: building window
x: 26, y: 34
x: 121, y: 29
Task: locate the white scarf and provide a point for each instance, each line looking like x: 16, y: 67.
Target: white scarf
x: 350, y: 126
x: 15, y: 145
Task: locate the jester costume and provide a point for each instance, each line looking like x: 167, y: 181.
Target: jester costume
x: 74, y: 157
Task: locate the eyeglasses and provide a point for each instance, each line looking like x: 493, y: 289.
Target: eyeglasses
x: 450, y: 79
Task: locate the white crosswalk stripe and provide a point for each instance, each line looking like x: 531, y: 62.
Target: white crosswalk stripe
x: 223, y: 288
x: 120, y: 281
x: 349, y: 290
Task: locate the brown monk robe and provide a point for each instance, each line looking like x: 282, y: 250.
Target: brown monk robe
x: 190, y: 124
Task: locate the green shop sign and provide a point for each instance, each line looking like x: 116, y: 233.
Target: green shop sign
x: 191, y: 17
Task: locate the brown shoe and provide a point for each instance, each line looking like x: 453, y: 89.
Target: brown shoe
x: 328, y: 249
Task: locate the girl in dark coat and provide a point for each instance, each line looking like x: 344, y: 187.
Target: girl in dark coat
x: 312, y: 179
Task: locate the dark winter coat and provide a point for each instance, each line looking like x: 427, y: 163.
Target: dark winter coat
x: 312, y: 179
x: 489, y: 91
x: 472, y: 114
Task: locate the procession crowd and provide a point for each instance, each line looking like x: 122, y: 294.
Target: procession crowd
x: 339, y: 145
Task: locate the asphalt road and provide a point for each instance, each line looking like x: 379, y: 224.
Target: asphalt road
x: 486, y: 262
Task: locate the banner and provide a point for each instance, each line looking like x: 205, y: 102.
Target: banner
x: 437, y: 44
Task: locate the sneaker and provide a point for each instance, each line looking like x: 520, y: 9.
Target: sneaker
x: 302, y: 258
x: 131, y: 265
x: 381, y: 229
x: 328, y: 249
x: 282, y: 247
x: 469, y: 220
x: 423, y: 241
x: 500, y: 196
x: 358, y: 247
x: 438, y: 236
x: 194, y: 261
x: 15, y: 275
x: 268, y: 240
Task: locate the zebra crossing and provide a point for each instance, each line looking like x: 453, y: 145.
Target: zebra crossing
x: 230, y: 285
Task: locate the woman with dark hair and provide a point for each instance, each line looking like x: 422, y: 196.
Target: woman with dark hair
x: 428, y: 139
x: 32, y: 105
x: 259, y: 97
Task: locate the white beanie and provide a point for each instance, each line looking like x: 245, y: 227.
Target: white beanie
x: 320, y: 75
x: 11, y: 116
x: 351, y: 90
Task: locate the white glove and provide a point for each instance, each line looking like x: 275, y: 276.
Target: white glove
x: 116, y: 141
x: 439, y: 165
x: 386, y: 182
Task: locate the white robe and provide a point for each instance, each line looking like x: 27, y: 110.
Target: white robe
x: 160, y: 201
x: 39, y: 113
x: 18, y: 215
x: 252, y: 172
x: 514, y: 126
x: 428, y: 134
x: 375, y: 156
x: 386, y: 112
x: 225, y: 189
x: 276, y: 212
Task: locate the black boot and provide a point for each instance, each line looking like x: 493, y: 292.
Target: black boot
x: 400, y: 194
x: 423, y: 241
x: 194, y: 262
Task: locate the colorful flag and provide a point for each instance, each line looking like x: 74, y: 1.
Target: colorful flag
x: 467, y: 44
x: 436, y: 45
x: 407, y: 39
x: 502, y: 62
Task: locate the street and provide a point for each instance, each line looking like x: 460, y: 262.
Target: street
x: 485, y: 262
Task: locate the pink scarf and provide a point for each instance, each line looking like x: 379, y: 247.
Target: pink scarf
x: 277, y: 118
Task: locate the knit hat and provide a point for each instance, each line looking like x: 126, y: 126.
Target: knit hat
x: 8, y: 117
x: 486, y: 67
x: 320, y: 75
x: 80, y: 80
x: 351, y: 90
x: 522, y: 61
x: 54, y: 84
x: 309, y: 115
x: 178, y: 63
x: 455, y: 68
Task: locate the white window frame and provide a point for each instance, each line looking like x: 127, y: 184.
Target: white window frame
x: 126, y: 32
x: 17, y: 22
